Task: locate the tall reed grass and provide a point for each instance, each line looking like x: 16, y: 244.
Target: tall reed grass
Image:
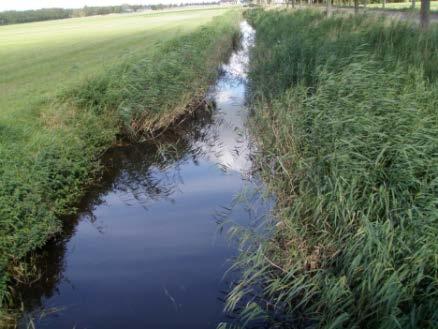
x: 41, y: 178
x: 346, y: 114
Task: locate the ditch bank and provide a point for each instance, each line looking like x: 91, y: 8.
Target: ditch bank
x: 44, y: 180
x: 345, y: 114
x: 146, y: 248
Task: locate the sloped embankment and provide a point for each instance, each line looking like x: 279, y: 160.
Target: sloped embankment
x: 346, y: 116
x: 42, y: 178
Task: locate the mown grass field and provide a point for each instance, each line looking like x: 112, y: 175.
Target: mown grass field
x: 71, y: 88
x: 345, y: 113
x: 40, y: 58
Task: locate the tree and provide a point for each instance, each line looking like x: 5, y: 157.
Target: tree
x: 425, y: 14
x: 328, y: 4
x: 413, y: 4
x: 356, y: 6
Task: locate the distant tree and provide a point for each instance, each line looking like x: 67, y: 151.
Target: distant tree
x: 425, y: 14
x: 356, y: 6
x: 16, y: 17
x: 26, y: 16
x: 328, y: 7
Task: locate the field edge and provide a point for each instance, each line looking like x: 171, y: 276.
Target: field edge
x: 46, y: 179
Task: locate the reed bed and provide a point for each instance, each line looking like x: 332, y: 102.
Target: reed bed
x: 345, y: 112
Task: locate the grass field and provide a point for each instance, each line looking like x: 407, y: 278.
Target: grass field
x: 70, y: 87
x: 405, y: 5
x: 40, y: 58
x: 345, y: 112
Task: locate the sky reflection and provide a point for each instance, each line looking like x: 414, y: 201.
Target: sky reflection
x: 145, y: 252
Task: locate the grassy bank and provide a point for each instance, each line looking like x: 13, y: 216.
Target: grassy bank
x: 61, y: 107
x: 345, y: 110
x: 39, y: 59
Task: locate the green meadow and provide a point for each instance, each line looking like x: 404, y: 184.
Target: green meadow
x: 40, y: 58
x: 70, y: 89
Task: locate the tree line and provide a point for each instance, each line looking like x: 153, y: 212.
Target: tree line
x: 45, y: 14
x: 424, y: 6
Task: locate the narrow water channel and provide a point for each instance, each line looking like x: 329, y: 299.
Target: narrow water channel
x: 145, y: 250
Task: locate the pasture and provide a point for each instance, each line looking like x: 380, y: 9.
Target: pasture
x: 38, y: 59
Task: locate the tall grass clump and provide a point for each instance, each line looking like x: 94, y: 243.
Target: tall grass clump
x: 149, y: 94
x: 345, y: 110
x: 46, y: 164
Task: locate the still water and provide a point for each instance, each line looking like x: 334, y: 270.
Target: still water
x: 146, y: 250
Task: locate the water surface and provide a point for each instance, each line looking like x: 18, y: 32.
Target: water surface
x: 145, y: 250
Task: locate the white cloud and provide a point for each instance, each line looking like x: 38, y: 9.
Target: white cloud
x: 37, y: 4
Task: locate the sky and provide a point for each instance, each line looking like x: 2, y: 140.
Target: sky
x: 36, y: 4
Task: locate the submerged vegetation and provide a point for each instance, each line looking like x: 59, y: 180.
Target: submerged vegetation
x: 345, y: 110
x: 51, y: 152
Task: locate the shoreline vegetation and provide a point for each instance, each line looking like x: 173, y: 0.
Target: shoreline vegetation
x: 345, y: 114
x: 51, y: 154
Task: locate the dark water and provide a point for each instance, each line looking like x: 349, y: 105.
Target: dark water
x: 145, y: 250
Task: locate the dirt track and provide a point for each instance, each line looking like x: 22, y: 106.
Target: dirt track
x: 396, y: 14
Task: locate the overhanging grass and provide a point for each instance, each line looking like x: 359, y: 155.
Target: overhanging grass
x: 50, y: 154
x: 346, y: 116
